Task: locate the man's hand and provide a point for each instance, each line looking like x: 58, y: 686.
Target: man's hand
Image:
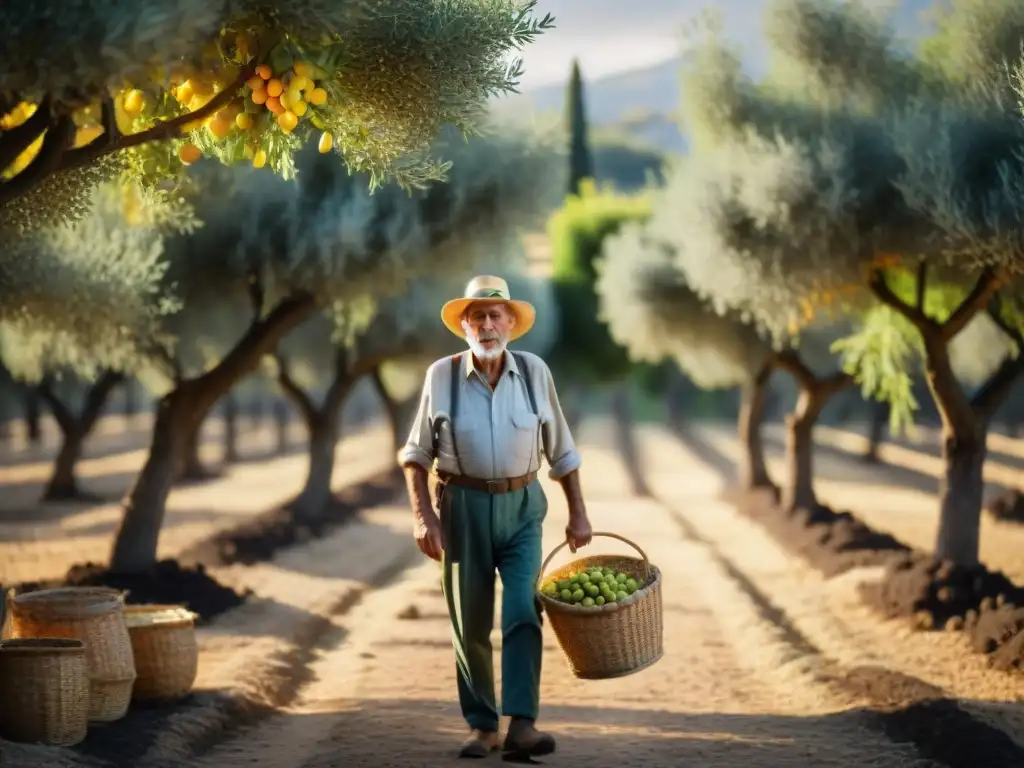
x: 578, y: 532
x: 426, y: 525
x: 429, y: 536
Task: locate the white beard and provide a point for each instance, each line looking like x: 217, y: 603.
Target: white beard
x: 479, y: 350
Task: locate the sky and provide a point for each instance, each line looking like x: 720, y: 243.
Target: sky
x: 611, y: 36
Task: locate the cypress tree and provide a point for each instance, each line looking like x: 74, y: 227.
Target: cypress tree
x: 580, y: 162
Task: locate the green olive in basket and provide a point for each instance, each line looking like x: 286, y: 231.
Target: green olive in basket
x: 584, y: 578
x: 631, y: 586
x: 588, y: 602
x: 599, y: 600
x: 597, y: 575
x: 621, y: 595
x: 564, y: 584
x: 592, y: 590
x: 566, y: 595
x: 578, y: 595
x: 575, y: 578
x: 621, y: 577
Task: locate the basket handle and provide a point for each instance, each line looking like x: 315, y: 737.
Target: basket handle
x: 560, y: 547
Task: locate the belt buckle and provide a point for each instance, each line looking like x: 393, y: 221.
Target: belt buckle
x: 491, y: 483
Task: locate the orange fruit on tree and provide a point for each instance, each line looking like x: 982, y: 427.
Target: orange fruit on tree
x: 259, y: 96
x: 264, y: 71
x: 301, y: 68
x: 255, y: 82
x: 317, y: 96
x: 189, y: 153
x: 219, y: 126
x: 274, y: 105
x: 274, y: 87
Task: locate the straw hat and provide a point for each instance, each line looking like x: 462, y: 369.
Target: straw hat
x: 488, y: 288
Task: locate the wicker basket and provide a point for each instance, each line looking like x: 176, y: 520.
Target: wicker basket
x: 166, y: 651
x: 44, y: 691
x: 612, y: 640
x: 96, y: 617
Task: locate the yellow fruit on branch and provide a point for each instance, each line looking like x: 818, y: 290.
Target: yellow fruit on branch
x: 287, y: 121
x: 301, y: 68
x: 259, y: 159
x: 325, y: 143
x: 317, y: 96
x: 243, y: 121
x: 134, y: 102
x: 299, y: 107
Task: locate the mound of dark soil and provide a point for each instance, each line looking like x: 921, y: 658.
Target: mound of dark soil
x: 259, y: 539
x: 998, y: 631
x: 938, y: 594
x: 185, y: 580
x: 167, y: 582
x: 1009, y: 507
x: 833, y: 542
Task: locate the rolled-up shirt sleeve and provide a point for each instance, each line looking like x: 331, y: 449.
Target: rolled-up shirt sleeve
x: 419, y: 448
x: 559, y: 447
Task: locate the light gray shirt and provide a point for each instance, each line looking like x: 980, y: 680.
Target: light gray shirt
x: 496, y: 432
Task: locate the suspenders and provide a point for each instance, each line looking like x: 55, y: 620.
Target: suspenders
x: 454, y: 400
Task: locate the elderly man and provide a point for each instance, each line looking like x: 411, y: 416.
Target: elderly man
x: 485, y: 417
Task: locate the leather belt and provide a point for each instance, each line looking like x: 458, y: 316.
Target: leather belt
x: 501, y: 485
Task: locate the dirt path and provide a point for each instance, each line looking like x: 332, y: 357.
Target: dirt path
x: 47, y: 549
x: 886, y: 499
x: 909, y: 668
x: 732, y: 689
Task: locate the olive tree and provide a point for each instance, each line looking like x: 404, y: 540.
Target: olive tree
x: 85, y: 301
x: 95, y: 88
x: 654, y: 314
x: 405, y: 328
x: 900, y: 213
x: 289, y: 249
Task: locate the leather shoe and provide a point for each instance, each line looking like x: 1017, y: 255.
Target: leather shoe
x: 479, y: 744
x: 524, y: 740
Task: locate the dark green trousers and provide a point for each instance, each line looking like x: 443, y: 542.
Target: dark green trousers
x: 487, y: 534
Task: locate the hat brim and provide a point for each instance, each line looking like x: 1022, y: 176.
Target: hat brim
x: 526, y: 315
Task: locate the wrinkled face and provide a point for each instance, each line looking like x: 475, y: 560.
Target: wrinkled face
x: 487, y: 326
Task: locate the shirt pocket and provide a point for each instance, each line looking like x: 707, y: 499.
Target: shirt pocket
x: 525, y: 438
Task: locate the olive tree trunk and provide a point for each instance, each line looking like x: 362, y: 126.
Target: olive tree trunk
x: 178, y: 413
x: 75, y: 428
x: 33, y: 416
x: 754, y: 470
x: 876, y: 431
x: 965, y: 420
x: 323, y: 431
x: 190, y: 460
x: 230, y: 406
x: 814, y: 394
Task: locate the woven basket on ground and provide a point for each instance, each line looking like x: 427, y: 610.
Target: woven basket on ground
x: 166, y: 651
x: 612, y: 640
x: 44, y: 691
x: 96, y: 617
